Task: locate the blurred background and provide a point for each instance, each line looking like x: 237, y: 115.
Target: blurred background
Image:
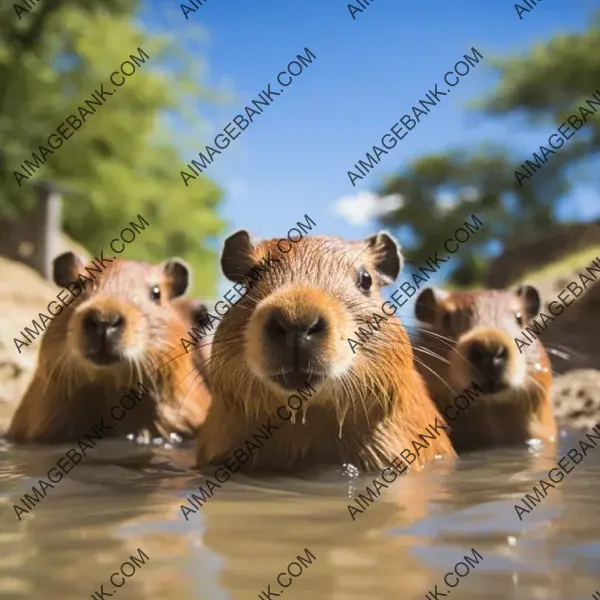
x: 205, y: 65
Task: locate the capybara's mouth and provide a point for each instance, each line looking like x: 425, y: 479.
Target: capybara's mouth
x: 292, y: 380
x: 103, y: 357
x: 493, y: 386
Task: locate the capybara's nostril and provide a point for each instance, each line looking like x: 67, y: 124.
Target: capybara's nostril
x: 97, y: 324
x: 501, y: 355
x: 276, y: 328
x: 476, y: 353
x: 488, y: 360
x: 318, y: 327
x: 281, y: 330
x: 91, y: 323
x: 292, y: 341
x: 115, y: 325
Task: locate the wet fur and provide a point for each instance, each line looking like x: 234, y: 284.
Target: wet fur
x: 191, y: 311
x: 509, y: 417
x: 68, y: 397
x: 381, y: 402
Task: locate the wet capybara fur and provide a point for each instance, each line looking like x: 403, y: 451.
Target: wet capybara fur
x: 469, y: 340
x: 290, y: 332
x: 121, y: 331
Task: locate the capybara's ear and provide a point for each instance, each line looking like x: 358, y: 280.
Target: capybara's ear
x: 425, y: 305
x: 65, y: 268
x: 531, y: 298
x: 178, y: 275
x: 386, y: 256
x: 237, y: 258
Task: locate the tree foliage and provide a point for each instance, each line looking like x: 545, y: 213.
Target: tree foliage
x: 440, y: 190
x: 552, y: 79
x: 124, y: 160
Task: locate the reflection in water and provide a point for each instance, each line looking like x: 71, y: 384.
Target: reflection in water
x: 400, y: 547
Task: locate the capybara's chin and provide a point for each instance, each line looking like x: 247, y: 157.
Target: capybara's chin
x: 292, y: 380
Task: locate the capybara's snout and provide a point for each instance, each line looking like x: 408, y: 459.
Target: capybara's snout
x: 488, y: 358
x: 102, y: 332
x: 292, y: 338
x: 489, y: 361
x: 294, y: 342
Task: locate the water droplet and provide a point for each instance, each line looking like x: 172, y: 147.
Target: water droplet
x: 341, y: 418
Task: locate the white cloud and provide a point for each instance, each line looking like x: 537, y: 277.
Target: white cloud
x: 448, y: 200
x: 470, y: 194
x: 363, y: 207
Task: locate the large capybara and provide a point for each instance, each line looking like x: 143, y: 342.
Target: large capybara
x: 290, y: 331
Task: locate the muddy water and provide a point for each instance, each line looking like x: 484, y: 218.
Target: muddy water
x: 253, y: 528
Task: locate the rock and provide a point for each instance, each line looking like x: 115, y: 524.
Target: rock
x: 576, y: 397
x: 23, y: 293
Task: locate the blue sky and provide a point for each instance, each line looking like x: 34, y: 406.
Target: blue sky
x: 368, y: 72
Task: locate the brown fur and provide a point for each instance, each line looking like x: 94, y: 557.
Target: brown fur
x: 69, y: 394
x: 193, y: 312
x: 521, y: 411
x: 366, y: 415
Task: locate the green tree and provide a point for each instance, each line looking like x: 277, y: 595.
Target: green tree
x: 441, y: 191
x: 545, y: 86
x: 548, y: 83
x: 124, y: 160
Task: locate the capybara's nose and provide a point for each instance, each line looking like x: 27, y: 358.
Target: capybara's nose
x: 294, y: 339
x: 489, y: 361
x: 102, y: 330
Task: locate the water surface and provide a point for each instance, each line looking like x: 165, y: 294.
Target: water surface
x: 252, y: 528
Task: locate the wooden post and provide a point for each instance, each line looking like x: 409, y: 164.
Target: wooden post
x: 48, y: 225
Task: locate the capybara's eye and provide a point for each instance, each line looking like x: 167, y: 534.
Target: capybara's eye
x: 155, y: 293
x: 519, y: 318
x: 364, y: 279
x: 447, y: 320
